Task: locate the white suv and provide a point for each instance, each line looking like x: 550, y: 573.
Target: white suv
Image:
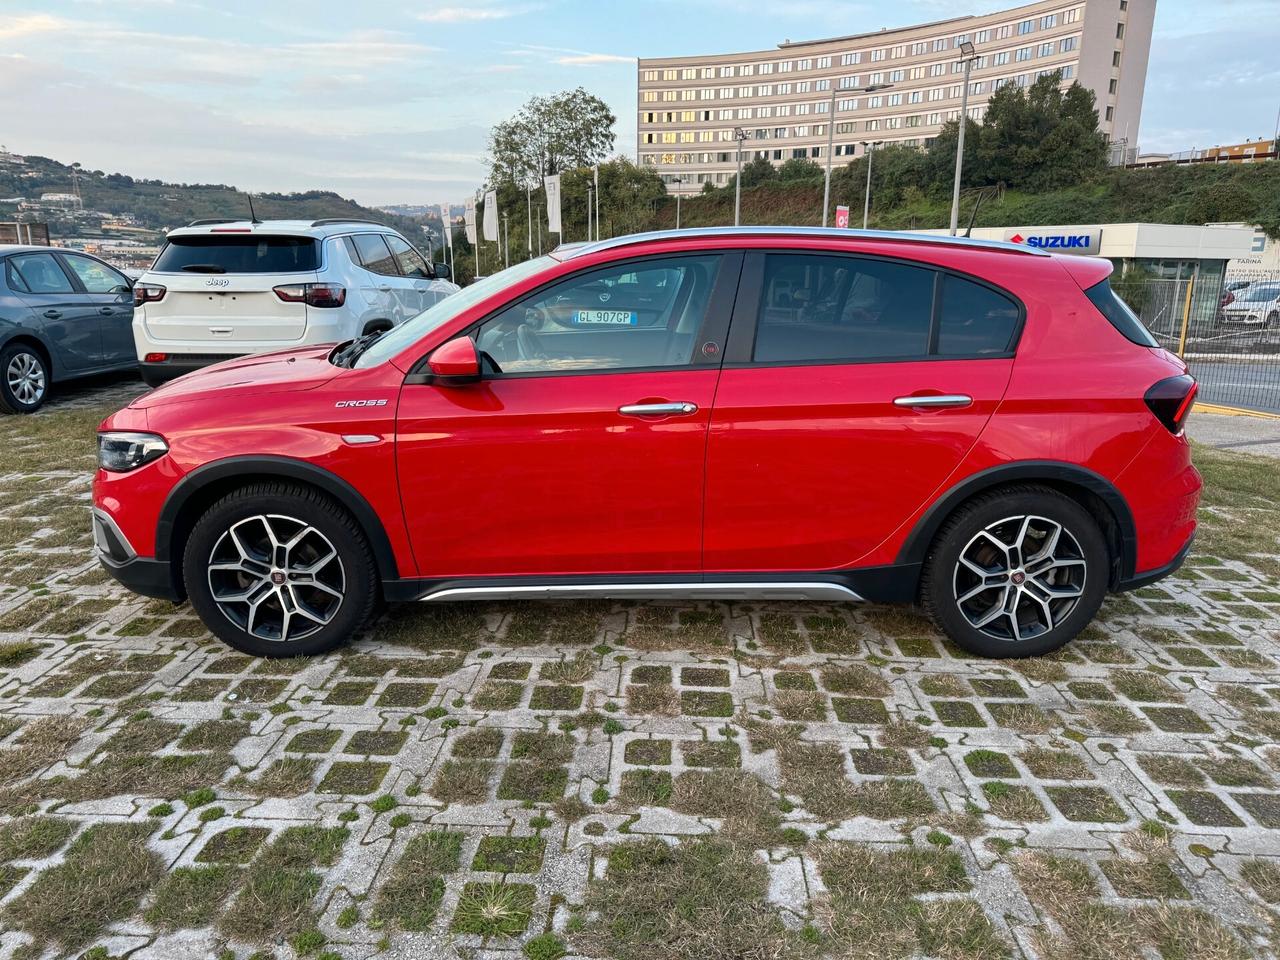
x: 226, y: 288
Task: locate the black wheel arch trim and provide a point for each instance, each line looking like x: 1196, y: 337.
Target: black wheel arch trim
x: 916, y: 547
x: 277, y: 468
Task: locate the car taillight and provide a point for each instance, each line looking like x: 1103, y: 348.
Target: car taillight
x: 147, y: 293
x: 155, y: 358
x: 1170, y: 401
x: 1228, y: 297
x: 312, y: 294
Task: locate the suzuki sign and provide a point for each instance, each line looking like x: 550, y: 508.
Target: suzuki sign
x: 1087, y: 243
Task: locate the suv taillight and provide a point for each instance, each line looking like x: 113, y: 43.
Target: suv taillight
x: 1170, y: 400
x: 147, y: 293
x: 312, y: 294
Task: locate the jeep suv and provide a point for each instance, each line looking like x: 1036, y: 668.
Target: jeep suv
x: 757, y: 413
x: 224, y: 288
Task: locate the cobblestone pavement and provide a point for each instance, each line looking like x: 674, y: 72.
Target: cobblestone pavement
x: 693, y: 781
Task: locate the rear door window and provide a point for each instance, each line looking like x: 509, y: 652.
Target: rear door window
x: 975, y: 320
x: 408, y: 259
x: 1118, y: 313
x: 372, y: 254
x: 238, y: 253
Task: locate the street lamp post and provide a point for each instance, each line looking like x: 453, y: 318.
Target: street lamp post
x: 739, y: 135
x: 589, y: 192
x: 867, y: 147
x: 679, y: 182
x: 967, y: 57
x: 831, y: 130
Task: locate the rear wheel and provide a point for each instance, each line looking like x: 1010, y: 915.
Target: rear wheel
x: 278, y: 570
x: 24, y: 379
x: 1016, y: 573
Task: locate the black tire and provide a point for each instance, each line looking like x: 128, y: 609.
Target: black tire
x: 290, y: 510
x: 154, y: 380
x: 24, y: 379
x: 1040, y: 620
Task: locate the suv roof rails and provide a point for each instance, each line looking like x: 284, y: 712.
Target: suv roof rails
x: 205, y: 223
x: 328, y: 220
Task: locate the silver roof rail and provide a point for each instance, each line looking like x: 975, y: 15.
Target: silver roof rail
x: 826, y: 233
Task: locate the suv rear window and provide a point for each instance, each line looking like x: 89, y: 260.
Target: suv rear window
x: 1118, y: 313
x: 223, y: 253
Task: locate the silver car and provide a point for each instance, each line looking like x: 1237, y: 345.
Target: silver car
x: 1258, y: 304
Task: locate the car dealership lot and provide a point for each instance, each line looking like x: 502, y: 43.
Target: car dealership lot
x: 461, y: 774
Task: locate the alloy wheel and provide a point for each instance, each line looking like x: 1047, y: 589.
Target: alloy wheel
x: 25, y: 376
x: 1019, y: 578
x: 276, y: 577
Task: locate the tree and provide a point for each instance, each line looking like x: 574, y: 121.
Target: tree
x: 799, y: 168
x: 756, y: 172
x: 550, y: 135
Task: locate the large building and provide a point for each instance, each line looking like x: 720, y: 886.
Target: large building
x: 781, y: 101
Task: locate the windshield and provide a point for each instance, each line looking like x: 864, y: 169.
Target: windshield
x: 1264, y: 291
x: 409, y: 332
x: 236, y: 253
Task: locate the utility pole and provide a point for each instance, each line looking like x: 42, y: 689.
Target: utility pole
x: 831, y: 131
x: 590, y: 191
x: 679, y: 182
x: 867, y: 148
x: 506, y: 241
x: 739, y: 135
x: 967, y: 57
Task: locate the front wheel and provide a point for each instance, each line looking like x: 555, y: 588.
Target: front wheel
x: 24, y: 379
x: 1016, y: 573
x: 278, y: 570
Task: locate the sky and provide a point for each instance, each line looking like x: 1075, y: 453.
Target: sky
x: 392, y: 102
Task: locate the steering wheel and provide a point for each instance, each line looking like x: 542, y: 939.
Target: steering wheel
x: 529, y: 344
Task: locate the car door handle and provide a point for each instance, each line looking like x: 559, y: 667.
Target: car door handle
x: 53, y: 314
x: 678, y: 409
x: 384, y: 287
x: 106, y: 311
x: 935, y: 400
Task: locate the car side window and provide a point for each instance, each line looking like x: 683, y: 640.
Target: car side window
x: 643, y: 314
x: 817, y: 307
x: 974, y: 319
x: 373, y: 255
x: 41, y: 273
x: 409, y: 259
x: 96, y: 277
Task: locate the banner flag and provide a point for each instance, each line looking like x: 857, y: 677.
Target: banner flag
x: 446, y: 225
x: 469, y: 220
x: 491, y: 215
x: 842, y: 216
x: 552, y: 185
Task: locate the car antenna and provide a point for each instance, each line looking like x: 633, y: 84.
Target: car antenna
x: 253, y: 217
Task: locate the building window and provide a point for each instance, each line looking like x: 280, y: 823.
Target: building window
x: 919, y: 49
x: 938, y: 70
x: 877, y: 55
x: 1025, y: 27
x: 668, y: 74
x: 1046, y: 50
x: 1068, y: 44
x: 1049, y: 22
x: 940, y: 44
x: 1111, y: 113
x: 1111, y: 87
x: 1071, y: 16
x: 805, y: 64
x: 844, y: 106
x: 766, y: 68
x: 649, y: 76
x: 896, y: 76
x: 746, y: 70
x: 982, y: 36
x: 1024, y: 53
x: 895, y: 99
x: 849, y: 59
x: 1004, y: 32
x: 1119, y: 31
x: 1115, y: 59
x: 824, y: 63
x: 847, y: 82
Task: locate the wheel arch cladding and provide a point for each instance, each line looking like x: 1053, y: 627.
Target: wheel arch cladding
x: 202, y: 487
x: 1092, y: 491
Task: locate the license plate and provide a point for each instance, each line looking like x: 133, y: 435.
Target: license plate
x: 610, y: 317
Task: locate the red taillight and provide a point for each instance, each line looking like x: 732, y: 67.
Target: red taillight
x: 155, y: 358
x: 1227, y: 297
x: 147, y: 293
x: 1170, y: 400
x: 312, y: 294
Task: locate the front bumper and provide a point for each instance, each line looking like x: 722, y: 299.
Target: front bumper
x: 144, y: 575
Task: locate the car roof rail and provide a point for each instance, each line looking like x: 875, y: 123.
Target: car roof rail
x: 205, y: 223
x: 830, y: 233
x: 326, y: 221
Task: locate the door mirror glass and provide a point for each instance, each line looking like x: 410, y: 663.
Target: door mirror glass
x: 443, y: 272
x: 455, y: 362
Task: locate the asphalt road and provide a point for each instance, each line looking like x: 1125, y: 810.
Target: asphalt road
x: 1240, y: 383
x: 1242, y: 434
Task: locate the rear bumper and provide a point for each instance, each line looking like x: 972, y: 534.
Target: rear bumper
x: 1159, y: 573
x: 179, y: 363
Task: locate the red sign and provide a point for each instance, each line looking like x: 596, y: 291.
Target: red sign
x: 842, y: 217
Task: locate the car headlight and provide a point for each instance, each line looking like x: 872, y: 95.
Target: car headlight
x: 121, y: 451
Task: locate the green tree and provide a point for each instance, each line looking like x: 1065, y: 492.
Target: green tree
x: 549, y: 135
x: 756, y: 172
x: 799, y: 168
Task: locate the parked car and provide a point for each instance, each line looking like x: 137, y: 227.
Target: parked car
x: 63, y: 314
x: 226, y: 288
x: 981, y: 427
x: 1256, y: 305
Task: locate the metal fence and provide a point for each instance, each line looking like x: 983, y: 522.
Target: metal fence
x: 1227, y: 331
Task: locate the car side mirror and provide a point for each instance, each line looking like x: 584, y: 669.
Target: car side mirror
x: 455, y: 363
x: 442, y: 271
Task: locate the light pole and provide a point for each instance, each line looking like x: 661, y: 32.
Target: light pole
x: 967, y: 57
x: 739, y: 135
x: 590, y: 191
x: 679, y: 182
x: 831, y: 130
x: 867, y: 147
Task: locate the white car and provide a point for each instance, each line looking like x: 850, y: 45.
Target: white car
x: 1258, y: 304
x: 225, y: 288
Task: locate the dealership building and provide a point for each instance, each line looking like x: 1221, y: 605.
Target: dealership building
x: 694, y: 110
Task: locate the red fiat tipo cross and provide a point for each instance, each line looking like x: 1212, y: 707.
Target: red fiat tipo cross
x: 755, y: 413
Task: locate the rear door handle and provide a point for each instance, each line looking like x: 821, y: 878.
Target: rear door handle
x: 106, y: 311
x: 53, y: 314
x: 935, y: 400
x: 678, y: 409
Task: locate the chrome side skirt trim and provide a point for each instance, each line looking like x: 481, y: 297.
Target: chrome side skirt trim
x: 708, y: 590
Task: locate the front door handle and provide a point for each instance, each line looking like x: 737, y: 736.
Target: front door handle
x: 935, y: 400
x: 106, y: 311
x: 678, y: 409
x: 53, y: 314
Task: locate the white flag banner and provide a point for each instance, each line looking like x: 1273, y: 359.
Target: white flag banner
x: 491, y: 215
x: 469, y: 220
x: 446, y: 225
x: 552, y: 185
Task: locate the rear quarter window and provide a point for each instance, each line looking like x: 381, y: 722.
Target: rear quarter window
x: 1119, y: 315
x: 238, y: 253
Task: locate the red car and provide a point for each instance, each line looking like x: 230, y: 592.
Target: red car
x: 755, y: 413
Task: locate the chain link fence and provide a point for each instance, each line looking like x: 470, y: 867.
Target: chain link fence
x: 1228, y: 331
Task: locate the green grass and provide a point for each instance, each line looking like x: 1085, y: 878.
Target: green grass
x: 411, y: 895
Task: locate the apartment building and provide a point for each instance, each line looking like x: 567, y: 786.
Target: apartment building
x: 694, y: 111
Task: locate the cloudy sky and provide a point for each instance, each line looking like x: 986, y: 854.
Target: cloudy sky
x: 392, y: 101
